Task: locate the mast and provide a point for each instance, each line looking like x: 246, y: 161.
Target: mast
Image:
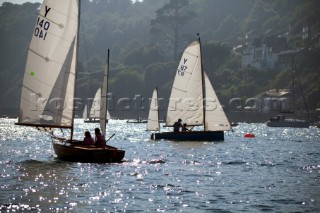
x: 103, y: 97
x: 293, y: 91
x: 304, y: 99
x: 203, y: 87
x: 75, y: 77
x: 107, y: 84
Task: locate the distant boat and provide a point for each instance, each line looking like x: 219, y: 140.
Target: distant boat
x: 281, y: 120
x: 94, y: 114
x: 153, y: 123
x: 234, y: 124
x: 138, y: 120
x: 48, y: 98
x: 191, y: 83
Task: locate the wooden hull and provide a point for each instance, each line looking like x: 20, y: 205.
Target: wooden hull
x: 284, y: 123
x: 77, y: 153
x: 189, y: 136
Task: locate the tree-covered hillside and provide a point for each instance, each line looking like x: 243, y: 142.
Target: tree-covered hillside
x: 146, y: 40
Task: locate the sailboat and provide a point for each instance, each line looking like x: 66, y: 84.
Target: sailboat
x: 194, y: 100
x: 96, y: 107
x: 48, y: 98
x: 85, y: 112
x: 281, y: 120
x: 137, y: 121
x: 153, y: 123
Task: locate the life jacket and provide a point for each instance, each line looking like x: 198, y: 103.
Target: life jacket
x: 88, y: 141
x: 100, y: 141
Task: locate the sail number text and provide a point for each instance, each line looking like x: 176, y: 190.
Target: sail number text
x: 42, y: 26
x: 182, y: 68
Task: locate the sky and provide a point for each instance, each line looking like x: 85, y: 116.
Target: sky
x: 19, y: 1
x: 23, y: 1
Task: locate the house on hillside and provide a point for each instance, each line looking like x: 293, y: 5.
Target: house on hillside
x: 276, y: 100
x: 285, y: 57
x: 262, y: 53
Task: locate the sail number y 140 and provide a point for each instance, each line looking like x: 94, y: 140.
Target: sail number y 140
x: 41, y: 28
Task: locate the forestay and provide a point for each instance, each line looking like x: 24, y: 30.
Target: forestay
x: 49, y: 79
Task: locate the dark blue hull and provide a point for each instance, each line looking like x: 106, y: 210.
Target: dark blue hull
x: 189, y: 136
x: 92, y: 121
x: 285, y: 123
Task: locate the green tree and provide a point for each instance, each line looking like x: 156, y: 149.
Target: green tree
x: 171, y: 18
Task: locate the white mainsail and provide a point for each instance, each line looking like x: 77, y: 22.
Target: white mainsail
x: 189, y: 90
x: 186, y: 94
x: 96, y: 107
x: 85, y: 112
x: 153, y: 118
x: 48, y: 88
x: 216, y: 119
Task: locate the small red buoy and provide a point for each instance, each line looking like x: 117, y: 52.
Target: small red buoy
x: 249, y: 135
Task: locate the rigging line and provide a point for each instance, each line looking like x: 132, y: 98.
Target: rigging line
x: 88, y: 63
x: 293, y: 88
x: 304, y: 99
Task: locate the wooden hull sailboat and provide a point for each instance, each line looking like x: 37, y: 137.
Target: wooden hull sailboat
x: 194, y: 101
x: 48, y: 99
x: 75, y: 152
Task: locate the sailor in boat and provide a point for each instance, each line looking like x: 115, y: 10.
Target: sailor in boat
x: 100, y: 140
x: 184, y: 128
x: 177, y: 125
x: 88, y: 140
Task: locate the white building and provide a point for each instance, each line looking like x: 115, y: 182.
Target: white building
x: 263, y: 52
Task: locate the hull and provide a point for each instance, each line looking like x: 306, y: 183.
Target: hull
x: 76, y: 153
x: 294, y: 124
x: 92, y: 121
x: 189, y: 136
x: 137, y: 122
x: 234, y: 124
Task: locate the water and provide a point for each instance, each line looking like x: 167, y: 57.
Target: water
x: 277, y: 171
